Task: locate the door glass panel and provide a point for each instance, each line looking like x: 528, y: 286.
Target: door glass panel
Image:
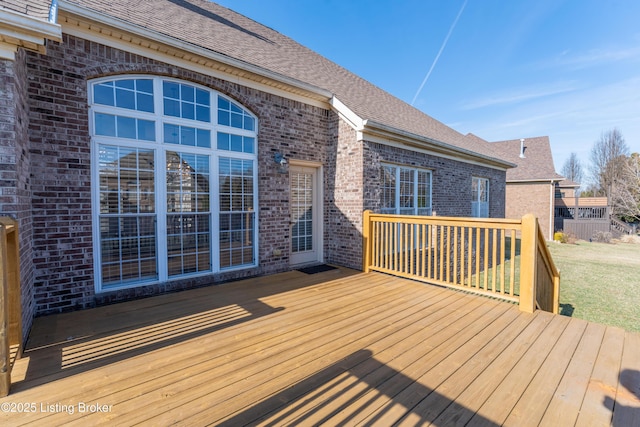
x: 301, y: 211
x: 127, y: 215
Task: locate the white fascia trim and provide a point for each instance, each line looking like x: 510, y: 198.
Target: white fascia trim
x: 27, y: 31
x: 383, y: 134
x: 533, y: 181
x: 190, y: 54
x: 347, y: 114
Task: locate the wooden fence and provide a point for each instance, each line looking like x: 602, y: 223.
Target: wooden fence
x: 501, y: 258
x: 10, y: 305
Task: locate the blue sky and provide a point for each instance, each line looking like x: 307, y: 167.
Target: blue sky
x: 569, y: 69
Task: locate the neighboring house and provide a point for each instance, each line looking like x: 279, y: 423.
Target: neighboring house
x: 567, y: 189
x: 531, y: 185
x: 160, y: 145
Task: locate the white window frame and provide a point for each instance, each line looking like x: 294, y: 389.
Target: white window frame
x: 160, y: 191
x: 480, y: 208
x: 397, y: 171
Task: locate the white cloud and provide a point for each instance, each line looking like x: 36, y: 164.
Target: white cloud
x: 519, y: 95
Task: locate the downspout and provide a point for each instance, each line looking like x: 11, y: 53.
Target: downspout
x: 53, y: 11
x: 552, y: 219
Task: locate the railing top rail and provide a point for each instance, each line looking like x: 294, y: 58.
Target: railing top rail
x: 448, y: 220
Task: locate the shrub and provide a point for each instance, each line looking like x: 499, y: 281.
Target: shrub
x: 558, y: 236
x: 601, y: 237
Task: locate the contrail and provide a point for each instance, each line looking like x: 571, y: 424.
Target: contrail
x: 444, y: 43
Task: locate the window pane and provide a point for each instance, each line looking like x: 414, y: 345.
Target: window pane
x: 237, y: 218
x: 146, y: 130
x: 224, y: 118
x: 248, y: 145
x: 127, y: 222
x: 203, y: 138
x: 224, y: 141
x: 125, y: 99
x: 236, y: 143
x: 203, y: 114
x: 171, y: 134
x: 187, y: 232
x: 171, y: 108
x: 126, y: 127
x: 236, y: 120
x: 249, y: 123
x: 171, y: 90
x: 145, y: 102
x: 188, y: 111
x: 188, y: 136
x: 203, y: 97
x: 105, y: 124
x: 127, y: 84
x: 144, y: 85
x: 103, y: 94
x: 188, y: 93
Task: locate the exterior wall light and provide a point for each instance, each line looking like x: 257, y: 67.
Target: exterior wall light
x: 281, y: 161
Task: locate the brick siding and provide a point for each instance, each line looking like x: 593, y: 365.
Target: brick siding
x: 50, y: 173
x: 60, y: 152
x: 15, y: 181
x: 451, y: 180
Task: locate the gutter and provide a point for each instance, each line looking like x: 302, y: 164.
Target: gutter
x: 20, y: 30
x: 173, y: 42
x: 385, y: 131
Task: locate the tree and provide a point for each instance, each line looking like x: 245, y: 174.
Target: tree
x: 626, y: 190
x: 607, y: 157
x: 572, y: 169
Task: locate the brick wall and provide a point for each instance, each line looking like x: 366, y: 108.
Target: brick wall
x: 524, y: 198
x: 451, y: 180
x: 346, y: 204
x: 15, y: 179
x: 60, y: 162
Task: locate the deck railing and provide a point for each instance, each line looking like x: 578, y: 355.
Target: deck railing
x: 502, y: 258
x: 10, y: 305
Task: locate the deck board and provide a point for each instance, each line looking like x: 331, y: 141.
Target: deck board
x: 338, y: 347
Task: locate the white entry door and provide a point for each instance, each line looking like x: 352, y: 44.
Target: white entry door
x: 306, y: 221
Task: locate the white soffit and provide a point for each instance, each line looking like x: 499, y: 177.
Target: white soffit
x: 19, y: 30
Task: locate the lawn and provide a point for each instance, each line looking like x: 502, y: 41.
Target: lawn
x: 600, y: 282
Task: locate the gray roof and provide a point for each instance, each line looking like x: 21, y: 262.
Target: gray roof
x: 210, y: 26
x: 537, y: 164
x: 38, y: 9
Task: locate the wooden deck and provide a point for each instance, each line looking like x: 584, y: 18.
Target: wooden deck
x: 334, y: 348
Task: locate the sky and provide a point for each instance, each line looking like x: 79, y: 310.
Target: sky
x: 500, y: 69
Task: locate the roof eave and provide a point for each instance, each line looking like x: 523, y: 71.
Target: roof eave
x: 227, y: 63
x: 380, y: 130
x: 18, y: 30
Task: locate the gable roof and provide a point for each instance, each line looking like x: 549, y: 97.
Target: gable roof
x: 537, y: 164
x: 209, y: 27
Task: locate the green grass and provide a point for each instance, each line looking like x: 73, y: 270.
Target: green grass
x: 600, y: 282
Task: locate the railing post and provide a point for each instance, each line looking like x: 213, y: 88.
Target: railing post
x: 366, y: 241
x: 528, y: 254
x: 5, y: 349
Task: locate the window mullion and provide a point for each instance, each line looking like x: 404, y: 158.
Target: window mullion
x: 416, y: 196
x: 215, y: 211
x: 398, y: 189
x: 161, y: 214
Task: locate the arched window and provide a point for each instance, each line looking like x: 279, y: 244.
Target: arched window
x: 174, y: 181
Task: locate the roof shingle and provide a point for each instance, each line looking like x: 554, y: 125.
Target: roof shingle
x: 218, y: 29
x: 537, y: 164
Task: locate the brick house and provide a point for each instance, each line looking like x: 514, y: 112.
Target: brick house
x: 161, y: 145
x: 532, y: 184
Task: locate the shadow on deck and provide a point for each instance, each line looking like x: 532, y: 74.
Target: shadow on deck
x: 339, y: 347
